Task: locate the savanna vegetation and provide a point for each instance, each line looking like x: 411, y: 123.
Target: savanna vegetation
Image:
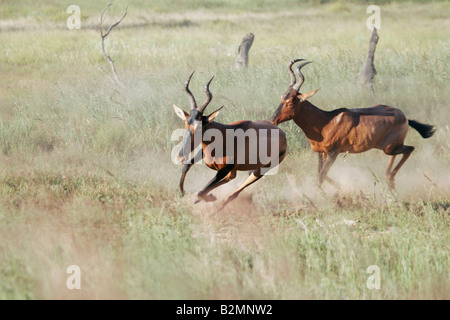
x: 86, y: 176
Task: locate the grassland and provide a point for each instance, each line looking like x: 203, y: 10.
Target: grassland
x: 86, y: 176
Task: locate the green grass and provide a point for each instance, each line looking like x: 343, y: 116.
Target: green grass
x: 87, y: 179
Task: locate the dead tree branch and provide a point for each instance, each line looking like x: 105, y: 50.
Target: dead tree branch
x: 115, y: 79
x: 244, y: 48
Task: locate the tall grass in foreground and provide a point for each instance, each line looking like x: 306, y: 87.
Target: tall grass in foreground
x: 128, y: 247
x: 86, y: 176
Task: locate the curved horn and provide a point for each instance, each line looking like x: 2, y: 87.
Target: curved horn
x: 208, y: 96
x: 191, y: 96
x: 293, y: 80
x: 297, y: 86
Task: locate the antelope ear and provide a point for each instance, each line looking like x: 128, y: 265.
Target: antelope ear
x: 213, y: 115
x: 181, y: 113
x: 307, y: 95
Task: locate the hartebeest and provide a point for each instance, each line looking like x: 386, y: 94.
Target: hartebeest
x: 260, y: 139
x: 347, y: 130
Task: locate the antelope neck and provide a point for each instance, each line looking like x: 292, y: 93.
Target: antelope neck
x: 311, y: 120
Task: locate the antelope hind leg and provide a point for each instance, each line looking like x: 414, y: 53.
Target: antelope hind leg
x: 406, y: 150
x: 255, y: 176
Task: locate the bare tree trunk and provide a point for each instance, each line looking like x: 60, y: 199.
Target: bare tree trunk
x: 244, y: 48
x: 368, y: 71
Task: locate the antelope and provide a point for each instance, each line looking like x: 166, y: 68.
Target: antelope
x: 226, y: 162
x: 347, y: 130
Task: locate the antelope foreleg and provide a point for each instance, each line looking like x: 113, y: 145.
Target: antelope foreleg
x: 332, y: 182
x: 223, y: 176
x: 186, y: 168
x: 322, y: 157
x: 330, y: 158
x: 389, y: 179
x: 230, y: 176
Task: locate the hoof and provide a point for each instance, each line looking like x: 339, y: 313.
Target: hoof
x: 390, y: 183
x: 207, y: 198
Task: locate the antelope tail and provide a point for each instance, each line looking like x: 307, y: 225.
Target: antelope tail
x: 425, y: 130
